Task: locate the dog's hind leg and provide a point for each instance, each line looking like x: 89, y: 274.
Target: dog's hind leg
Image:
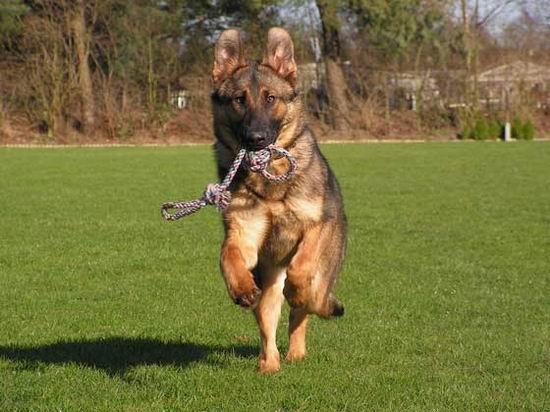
x: 267, y: 312
x: 297, y: 325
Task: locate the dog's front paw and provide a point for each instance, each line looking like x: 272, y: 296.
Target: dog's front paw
x: 247, y: 296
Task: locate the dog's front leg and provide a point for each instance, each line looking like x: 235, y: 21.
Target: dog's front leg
x: 239, y: 255
x: 302, y: 269
x: 235, y: 263
x: 312, y: 271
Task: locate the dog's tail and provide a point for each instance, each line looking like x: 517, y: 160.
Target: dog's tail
x: 337, y: 307
x: 332, y: 308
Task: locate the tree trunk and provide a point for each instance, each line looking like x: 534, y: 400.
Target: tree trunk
x: 467, y: 47
x: 475, y: 57
x: 336, y: 90
x: 81, y: 41
x: 336, y: 83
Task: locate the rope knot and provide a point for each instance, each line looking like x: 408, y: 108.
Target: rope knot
x: 216, y: 194
x: 258, y: 161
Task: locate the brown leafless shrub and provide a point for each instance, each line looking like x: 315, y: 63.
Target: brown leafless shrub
x: 50, y: 78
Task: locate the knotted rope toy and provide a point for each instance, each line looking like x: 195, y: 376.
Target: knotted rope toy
x: 217, y: 193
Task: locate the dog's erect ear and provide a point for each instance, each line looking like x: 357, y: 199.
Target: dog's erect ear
x: 279, y: 54
x: 228, y: 55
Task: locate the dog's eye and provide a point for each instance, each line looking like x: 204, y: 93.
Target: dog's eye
x: 270, y: 99
x: 240, y: 100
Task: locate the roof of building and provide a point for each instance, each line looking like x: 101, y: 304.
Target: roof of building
x: 516, y: 71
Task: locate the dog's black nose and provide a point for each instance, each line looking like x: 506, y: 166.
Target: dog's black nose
x: 257, y: 139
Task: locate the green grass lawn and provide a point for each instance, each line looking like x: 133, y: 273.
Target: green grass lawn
x: 104, y: 306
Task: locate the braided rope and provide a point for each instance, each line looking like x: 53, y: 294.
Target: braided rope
x: 218, y: 194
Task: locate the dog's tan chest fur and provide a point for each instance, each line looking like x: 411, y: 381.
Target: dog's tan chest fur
x: 288, y: 221
x: 275, y: 226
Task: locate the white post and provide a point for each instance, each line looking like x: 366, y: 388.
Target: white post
x: 507, y: 132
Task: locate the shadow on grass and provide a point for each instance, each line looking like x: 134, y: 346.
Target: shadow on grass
x: 116, y: 355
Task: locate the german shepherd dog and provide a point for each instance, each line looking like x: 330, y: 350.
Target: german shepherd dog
x: 281, y: 239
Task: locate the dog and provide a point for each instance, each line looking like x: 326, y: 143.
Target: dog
x: 282, y: 240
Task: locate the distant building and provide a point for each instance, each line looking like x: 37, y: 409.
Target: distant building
x: 180, y: 99
x: 511, y: 82
x: 518, y: 71
x: 412, y: 86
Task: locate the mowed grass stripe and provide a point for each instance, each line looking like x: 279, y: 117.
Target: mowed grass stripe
x: 107, y: 307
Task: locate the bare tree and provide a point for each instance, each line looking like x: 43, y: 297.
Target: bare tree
x: 473, y: 22
x: 81, y: 34
x: 336, y: 83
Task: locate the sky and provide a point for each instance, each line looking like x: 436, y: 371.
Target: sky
x: 295, y: 10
